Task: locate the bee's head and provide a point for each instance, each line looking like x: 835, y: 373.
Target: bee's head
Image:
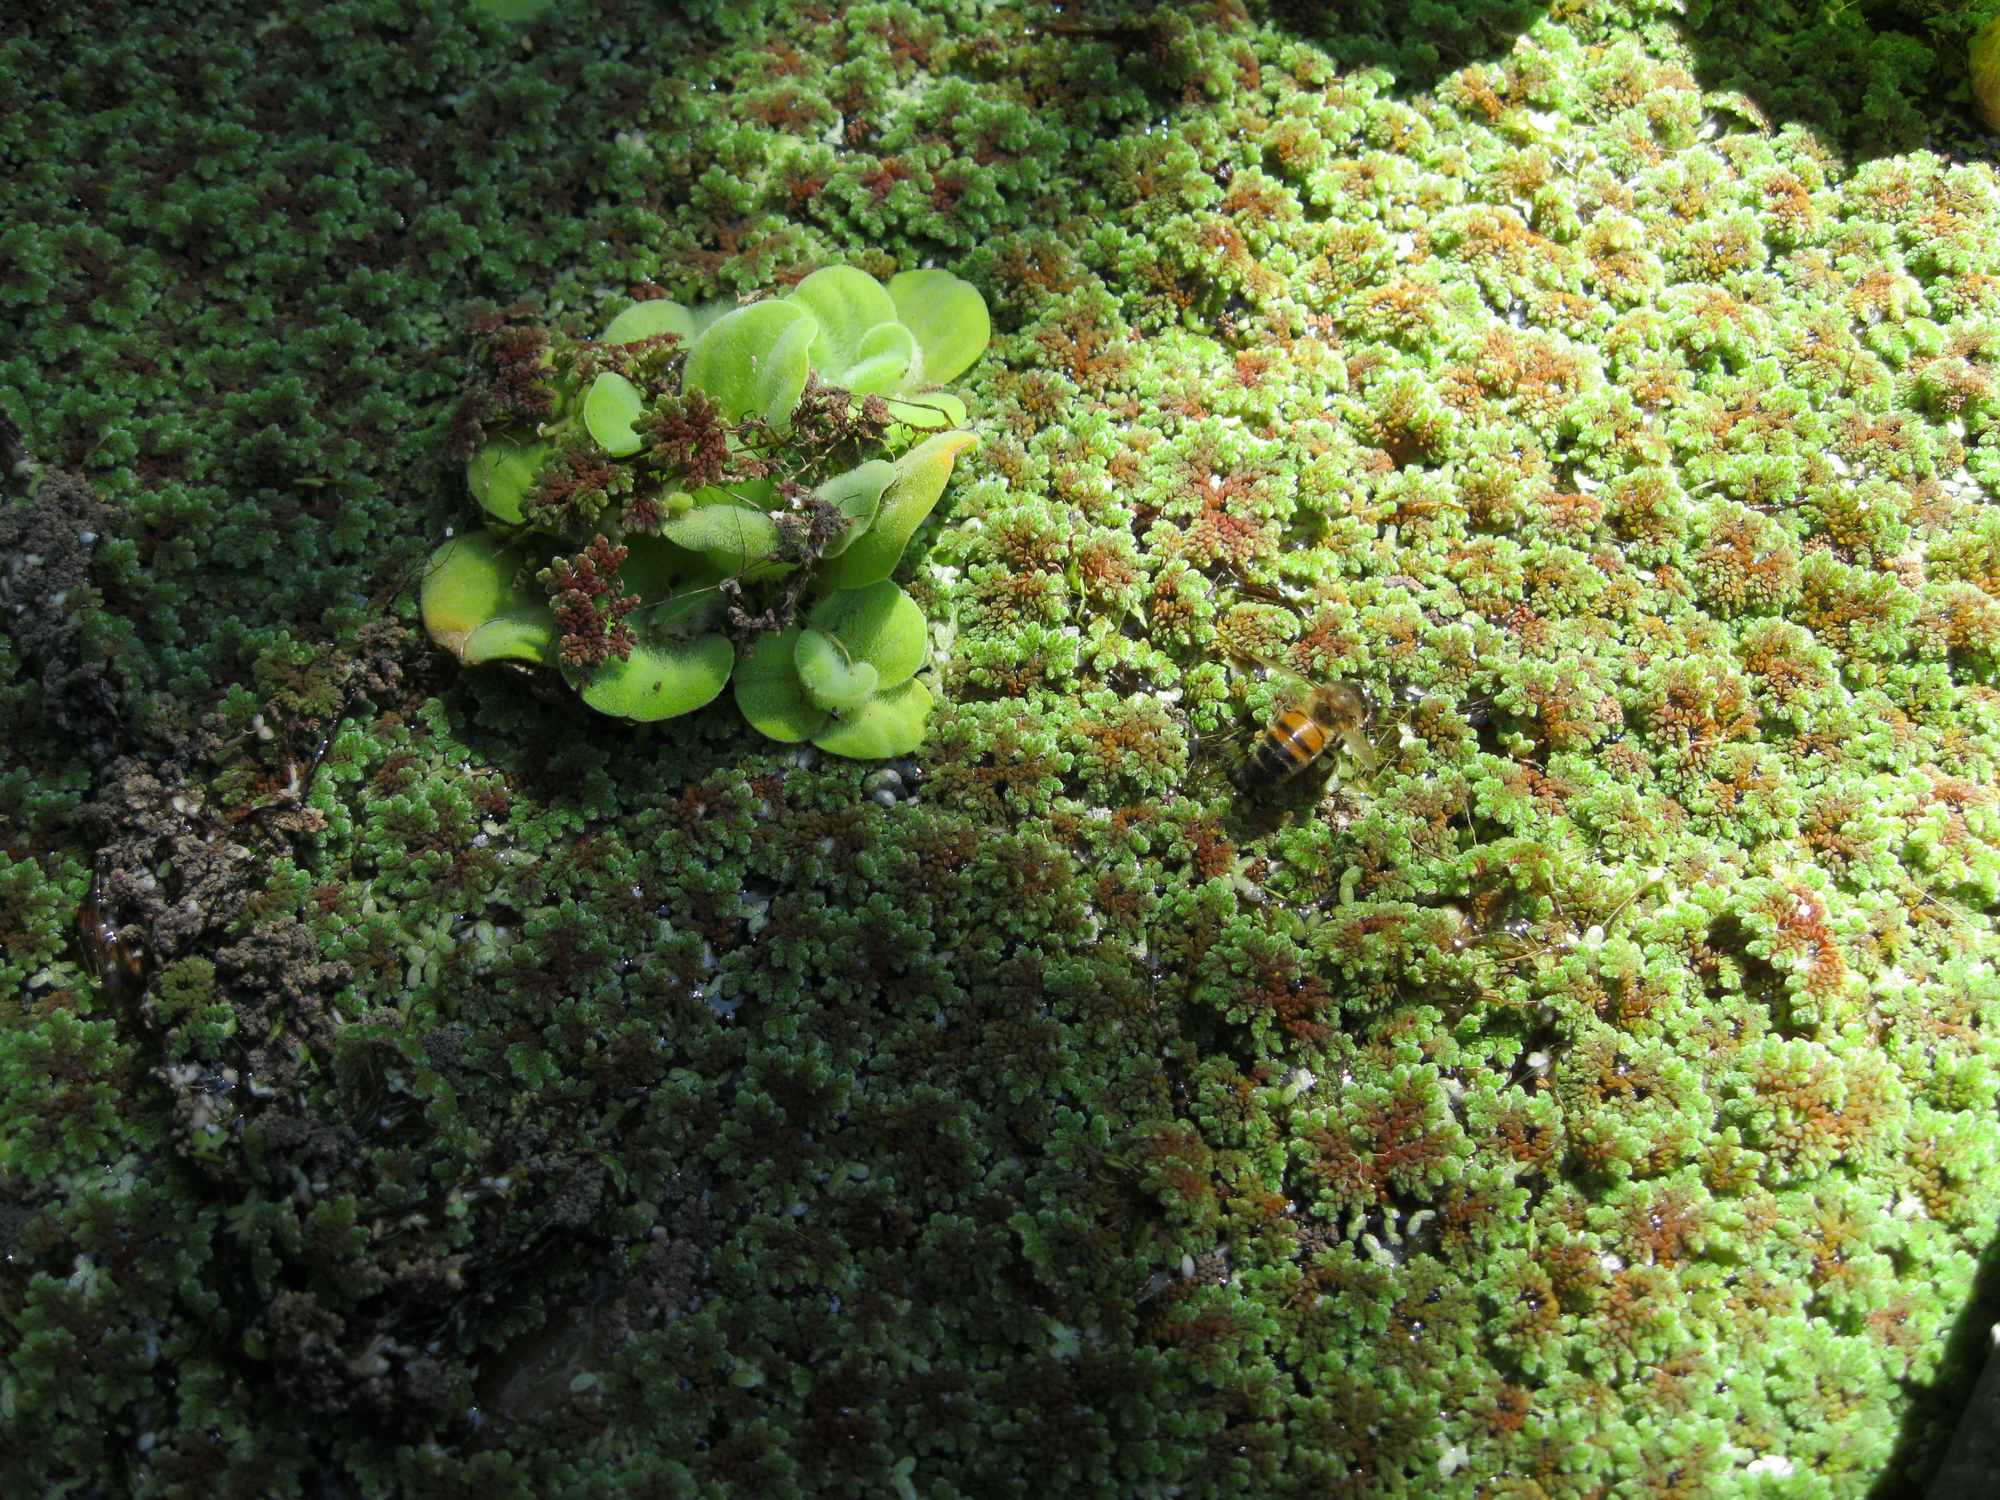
x: 1344, y: 704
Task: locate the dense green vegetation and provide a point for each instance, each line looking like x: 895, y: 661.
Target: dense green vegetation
x: 454, y: 1092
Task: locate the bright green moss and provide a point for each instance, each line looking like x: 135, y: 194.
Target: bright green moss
x: 1595, y: 1082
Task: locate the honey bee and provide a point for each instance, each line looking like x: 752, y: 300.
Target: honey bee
x: 116, y: 957
x: 1299, y: 736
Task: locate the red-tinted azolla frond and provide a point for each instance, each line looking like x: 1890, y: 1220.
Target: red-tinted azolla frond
x: 591, y: 605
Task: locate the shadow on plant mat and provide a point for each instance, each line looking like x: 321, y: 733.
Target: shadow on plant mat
x: 412, y: 1084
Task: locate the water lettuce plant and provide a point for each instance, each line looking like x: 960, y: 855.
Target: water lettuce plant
x: 664, y: 499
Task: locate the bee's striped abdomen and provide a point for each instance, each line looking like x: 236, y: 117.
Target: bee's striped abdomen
x: 1291, y: 743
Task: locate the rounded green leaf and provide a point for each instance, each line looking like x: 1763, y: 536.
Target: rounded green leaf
x: 786, y: 373
x: 921, y: 475
x: 502, y: 472
x: 890, y: 723
x: 609, y: 411
x: 655, y: 683
x: 654, y: 567
x: 760, y: 494
x: 769, y: 694
x: 882, y: 363
x: 527, y: 634
x: 857, y: 494
x: 832, y: 680
x: 949, y: 319
x: 645, y: 320
x: 880, y: 625
x: 859, y: 345
x: 754, y: 361
x: 731, y: 536
x: 678, y: 665
x: 469, y: 581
